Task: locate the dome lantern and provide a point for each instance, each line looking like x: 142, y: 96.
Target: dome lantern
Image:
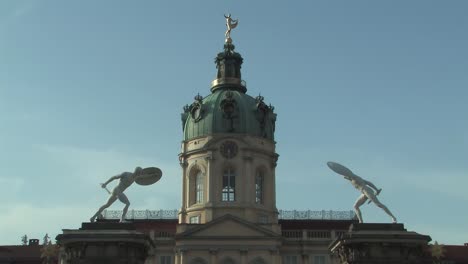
x: 229, y: 63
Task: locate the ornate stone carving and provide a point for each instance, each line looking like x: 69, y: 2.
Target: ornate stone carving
x: 229, y: 108
x: 264, y: 114
x: 229, y: 149
x: 197, y: 110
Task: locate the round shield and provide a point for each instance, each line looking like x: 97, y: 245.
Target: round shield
x: 149, y: 176
x: 340, y: 169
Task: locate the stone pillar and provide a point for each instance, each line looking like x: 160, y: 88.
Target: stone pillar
x: 213, y: 256
x: 249, y: 180
x: 210, y: 185
x: 275, y: 257
x: 104, y: 243
x: 183, y: 256
x: 150, y: 259
x: 273, y: 182
x: 381, y: 243
x: 243, y: 256
x: 183, y: 213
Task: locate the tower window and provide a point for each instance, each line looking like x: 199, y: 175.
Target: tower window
x: 320, y: 260
x: 290, y: 259
x: 229, y: 185
x: 199, y: 188
x: 195, y: 219
x: 165, y: 259
x: 259, y: 179
x: 263, y: 219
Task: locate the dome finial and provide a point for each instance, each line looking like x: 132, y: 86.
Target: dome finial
x: 230, y: 24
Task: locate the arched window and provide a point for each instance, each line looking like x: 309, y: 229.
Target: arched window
x: 199, y: 186
x: 259, y: 180
x: 229, y: 185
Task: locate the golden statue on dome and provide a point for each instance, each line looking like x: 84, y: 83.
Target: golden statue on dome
x: 230, y: 24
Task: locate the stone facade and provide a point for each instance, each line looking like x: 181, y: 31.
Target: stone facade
x: 230, y: 239
x: 255, y: 157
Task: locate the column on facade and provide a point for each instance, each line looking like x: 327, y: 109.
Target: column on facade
x: 182, y: 214
x: 243, y: 255
x: 187, y: 187
x: 249, y: 180
x: 305, y: 258
x: 275, y: 257
x: 213, y: 256
x: 273, y: 182
x: 180, y: 256
x: 150, y: 259
x: 209, y: 179
x: 183, y: 257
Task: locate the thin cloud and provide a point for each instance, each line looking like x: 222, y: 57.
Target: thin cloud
x: 92, y: 164
x: 21, y: 10
x: 448, y: 183
x: 20, y: 219
x: 24, y: 9
x: 11, y: 188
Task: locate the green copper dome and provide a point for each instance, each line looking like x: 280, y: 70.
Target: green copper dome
x: 228, y: 109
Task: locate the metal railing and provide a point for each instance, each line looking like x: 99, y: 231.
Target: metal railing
x: 283, y: 214
x: 306, y: 234
x: 316, y: 215
x: 141, y: 214
x: 320, y: 234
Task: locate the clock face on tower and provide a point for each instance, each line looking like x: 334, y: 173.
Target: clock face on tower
x: 229, y: 149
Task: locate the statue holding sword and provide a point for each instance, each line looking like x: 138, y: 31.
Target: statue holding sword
x: 367, y: 188
x: 141, y: 176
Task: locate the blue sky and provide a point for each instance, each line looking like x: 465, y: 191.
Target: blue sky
x: 92, y: 88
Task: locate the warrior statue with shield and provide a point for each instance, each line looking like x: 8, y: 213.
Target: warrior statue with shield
x: 141, y: 176
x: 367, y: 188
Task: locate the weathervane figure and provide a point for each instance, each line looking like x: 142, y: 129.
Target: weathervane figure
x: 141, y: 176
x: 230, y: 24
x: 367, y: 188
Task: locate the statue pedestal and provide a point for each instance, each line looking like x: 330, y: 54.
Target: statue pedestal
x: 103, y: 243
x: 381, y: 243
